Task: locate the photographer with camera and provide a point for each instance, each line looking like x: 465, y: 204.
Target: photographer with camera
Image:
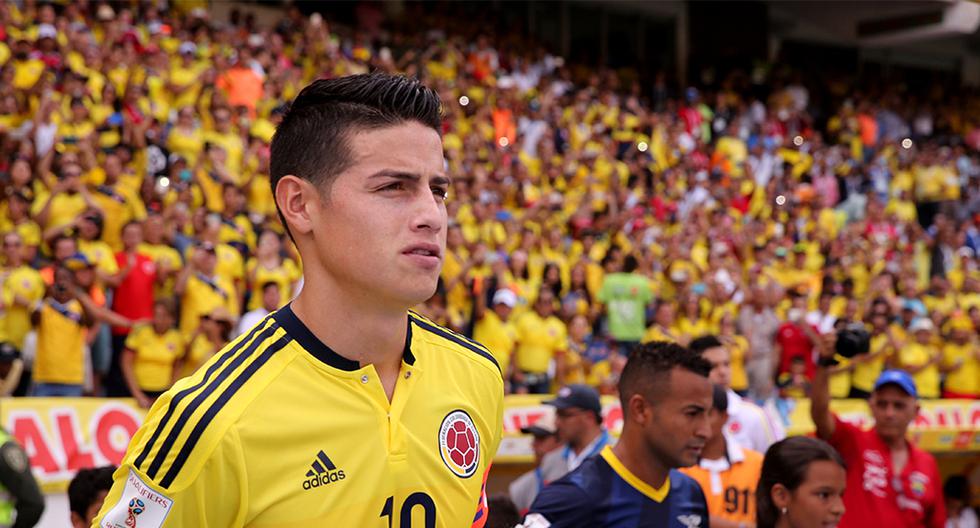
x: 890, y: 481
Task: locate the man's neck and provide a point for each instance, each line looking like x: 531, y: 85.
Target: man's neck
x: 369, y: 334
x: 633, y: 454
x: 897, y: 443
x: 580, y: 446
x: 715, y: 448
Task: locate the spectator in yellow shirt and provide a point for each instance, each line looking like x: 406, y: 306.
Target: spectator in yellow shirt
x: 268, y: 265
x: 185, y: 138
x: 495, y: 330
x: 201, y: 290
x: 62, y: 323
x: 227, y: 139
x: 664, y: 327
x: 21, y: 287
x: 920, y: 358
x: 213, y: 332
x: 151, y: 359
x: 737, y: 346
x: 68, y: 199
x: 20, y: 221
x: 571, y: 366
x: 961, y: 361
x: 540, y: 337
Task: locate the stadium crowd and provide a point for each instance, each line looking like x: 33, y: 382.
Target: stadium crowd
x: 588, y: 213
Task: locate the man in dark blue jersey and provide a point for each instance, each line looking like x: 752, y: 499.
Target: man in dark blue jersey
x: 666, y: 396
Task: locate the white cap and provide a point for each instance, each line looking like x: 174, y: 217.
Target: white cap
x: 256, y: 40
x: 46, y: 31
x: 922, y: 323
x: 505, y: 297
x: 187, y: 47
x: 105, y: 12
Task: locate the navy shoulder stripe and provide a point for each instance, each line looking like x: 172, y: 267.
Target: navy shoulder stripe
x: 236, y: 361
x: 454, y: 337
x: 229, y: 392
x: 181, y: 395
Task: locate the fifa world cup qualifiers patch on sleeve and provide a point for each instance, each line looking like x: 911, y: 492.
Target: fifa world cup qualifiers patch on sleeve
x: 139, y: 506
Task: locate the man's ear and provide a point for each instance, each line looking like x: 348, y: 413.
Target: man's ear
x: 298, y: 201
x: 639, y: 408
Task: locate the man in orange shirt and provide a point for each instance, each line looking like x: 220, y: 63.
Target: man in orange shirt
x: 727, y: 472
x: 242, y: 84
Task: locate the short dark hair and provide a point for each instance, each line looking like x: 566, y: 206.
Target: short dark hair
x: 786, y: 462
x: 630, y: 264
x: 168, y: 304
x: 59, y: 238
x: 649, y: 365
x: 326, y: 112
x: 502, y: 511
x: 719, y: 398
x: 703, y: 343
x: 957, y: 487
x: 85, y: 487
x: 269, y: 284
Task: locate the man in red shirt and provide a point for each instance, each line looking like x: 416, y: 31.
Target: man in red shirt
x: 133, y: 299
x: 796, y: 339
x: 890, y: 481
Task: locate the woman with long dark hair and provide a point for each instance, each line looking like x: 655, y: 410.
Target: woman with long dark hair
x: 801, y: 485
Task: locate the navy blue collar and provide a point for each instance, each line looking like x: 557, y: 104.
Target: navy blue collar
x: 297, y: 330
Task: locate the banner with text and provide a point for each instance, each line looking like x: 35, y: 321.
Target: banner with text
x: 63, y: 435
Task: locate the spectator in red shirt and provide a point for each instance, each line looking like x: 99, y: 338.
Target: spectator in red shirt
x: 890, y: 481
x: 133, y: 299
x: 796, y: 339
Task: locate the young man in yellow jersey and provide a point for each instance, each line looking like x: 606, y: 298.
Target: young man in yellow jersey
x: 342, y: 408
x: 62, y: 323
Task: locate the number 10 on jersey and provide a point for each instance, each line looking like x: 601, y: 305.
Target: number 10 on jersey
x: 419, y: 499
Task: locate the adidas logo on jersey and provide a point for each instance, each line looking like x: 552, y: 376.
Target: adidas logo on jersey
x: 322, y: 472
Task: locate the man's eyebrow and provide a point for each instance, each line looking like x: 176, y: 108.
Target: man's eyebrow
x: 396, y: 174
x: 409, y: 176
x: 695, y: 407
x: 442, y: 180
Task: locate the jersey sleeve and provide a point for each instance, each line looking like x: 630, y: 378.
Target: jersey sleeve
x: 560, y: 504
x: 133, y: 340
x: 213, y: 496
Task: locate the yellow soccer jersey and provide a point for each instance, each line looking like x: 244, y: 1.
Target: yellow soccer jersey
x: 279, y: 430
x: 155, y: 356
x: 202, y: 295
x: 15, y: 319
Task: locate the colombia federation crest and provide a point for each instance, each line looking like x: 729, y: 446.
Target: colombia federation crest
x: 459, y: 443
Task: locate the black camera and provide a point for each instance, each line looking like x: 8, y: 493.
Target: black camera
x: 853, y: 339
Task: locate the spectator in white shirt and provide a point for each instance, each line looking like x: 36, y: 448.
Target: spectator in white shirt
x: 270, y: 303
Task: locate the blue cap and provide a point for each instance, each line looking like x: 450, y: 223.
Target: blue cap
x: 577, y: 396
x: 897, y: 377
